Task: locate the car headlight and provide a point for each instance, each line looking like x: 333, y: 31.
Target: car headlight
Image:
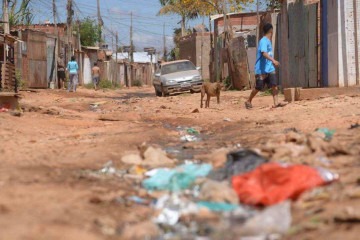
x: 197, y: 78
x: 170, y: 81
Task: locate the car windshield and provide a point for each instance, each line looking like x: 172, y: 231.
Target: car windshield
x: 177, y: 67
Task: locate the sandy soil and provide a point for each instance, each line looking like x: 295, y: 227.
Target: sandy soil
x: 46, y: 194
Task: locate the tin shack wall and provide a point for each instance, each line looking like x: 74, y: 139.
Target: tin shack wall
x: 341, y: 30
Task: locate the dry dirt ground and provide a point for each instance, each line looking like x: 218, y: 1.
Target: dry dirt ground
x: 45, y: 192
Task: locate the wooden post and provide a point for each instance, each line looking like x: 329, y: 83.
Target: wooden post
x: 258, y: 22
x: 69, y: 28
x: 80, y: 56
x: 56, y: 44
x: 6, y: 17
x: 356, y: 41
x: 165, y: 52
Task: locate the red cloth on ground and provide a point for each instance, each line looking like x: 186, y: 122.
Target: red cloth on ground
x: 272, y: 183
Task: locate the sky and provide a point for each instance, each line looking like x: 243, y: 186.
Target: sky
x: 147, y: 26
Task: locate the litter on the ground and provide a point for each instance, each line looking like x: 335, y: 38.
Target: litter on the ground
x: 272, y: 183
x: 189, y: 138
x: 272, y: 220
x: 238, y: 162
x: 218, y: 206
x: 138, y: 200
x: 109, y: 169
x: 172, y: 207
x: 189, y: 134
x: 328, y: 133
x: 192, y: 131
x: 176, y: 179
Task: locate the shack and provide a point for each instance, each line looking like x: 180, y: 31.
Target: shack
x: 8, y: 82
x: 36, y: 56
x: 320, y: 42
x: 234, y: 49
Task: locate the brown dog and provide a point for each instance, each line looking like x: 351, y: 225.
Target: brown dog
x: 211, y: 90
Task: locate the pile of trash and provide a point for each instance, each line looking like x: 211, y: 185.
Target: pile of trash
x: 248, y: 196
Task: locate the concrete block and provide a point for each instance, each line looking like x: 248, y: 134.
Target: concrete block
x: 316, y: 93
x: 289, y: 94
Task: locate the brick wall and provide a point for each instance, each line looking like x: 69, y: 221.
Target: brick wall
x: 190, y: 49
x: 46, y: 28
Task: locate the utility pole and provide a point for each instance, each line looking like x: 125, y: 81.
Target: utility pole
x: 80, y: 56
x: 70, y: 13
x: 100, y: 22
x: 165, y: 51
x: 116, y: 56
x: 131, y: 51
x: 112, y: 37
x: 57, y: 39
x: 131, y: 39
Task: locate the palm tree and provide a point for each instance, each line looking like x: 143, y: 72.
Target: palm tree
x: 179, y: 7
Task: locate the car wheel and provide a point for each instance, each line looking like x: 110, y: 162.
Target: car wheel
x: 163, y: 92
x: 193, y: 91
x: 157, y: 93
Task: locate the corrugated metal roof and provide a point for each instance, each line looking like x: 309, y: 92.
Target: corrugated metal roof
x: 90, y: 48
x: 217, y: 16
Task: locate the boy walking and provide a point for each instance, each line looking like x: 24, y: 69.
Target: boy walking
x: 73, y: 68
x: 61, y: 72
x: 265, y: 72
x: 95, y: 72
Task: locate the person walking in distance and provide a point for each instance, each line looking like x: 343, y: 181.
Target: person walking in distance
x: 61, y: 72
x: 265, y: 72
x: 95, y: 72
x: 73, y: 68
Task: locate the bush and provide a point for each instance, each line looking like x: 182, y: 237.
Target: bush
x: 137, y: 83
x: 227, y: 83
x: 19, y: 81
x: 89, y: 86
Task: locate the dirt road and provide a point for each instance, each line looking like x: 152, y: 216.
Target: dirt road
x: 46, y: 193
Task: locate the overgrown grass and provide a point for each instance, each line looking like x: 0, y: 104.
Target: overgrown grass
x: 267, y: 92
x: 19, y: 81
x: 104, y: 84
x: 137, y: 83
x: 228, y: 83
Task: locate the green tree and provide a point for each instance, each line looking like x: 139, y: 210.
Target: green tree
x: 175, y: 52
x: 89, y: 32
x: 274, y: 4
x: 190, y: 9
x: 179, y: 7
x: 20, y: 14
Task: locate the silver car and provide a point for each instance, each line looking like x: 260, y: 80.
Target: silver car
x: 177, y: 76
